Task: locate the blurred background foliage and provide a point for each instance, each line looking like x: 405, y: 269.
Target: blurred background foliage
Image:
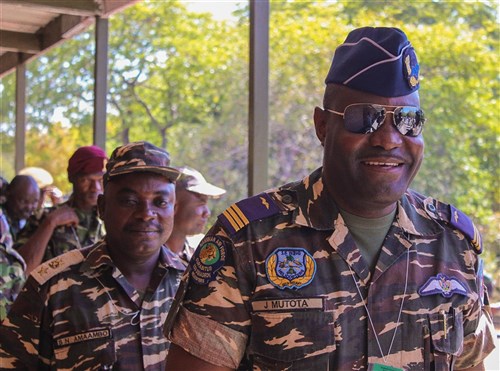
x: 179, y: 79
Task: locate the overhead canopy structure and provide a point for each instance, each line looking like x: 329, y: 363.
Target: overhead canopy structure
x: 29, y: 28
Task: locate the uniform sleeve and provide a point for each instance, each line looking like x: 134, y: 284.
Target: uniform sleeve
x: 24, y: 342
x: 212, y: 321
x: 479, y: 330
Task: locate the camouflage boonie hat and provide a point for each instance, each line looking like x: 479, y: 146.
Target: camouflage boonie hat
x: 140, y: 157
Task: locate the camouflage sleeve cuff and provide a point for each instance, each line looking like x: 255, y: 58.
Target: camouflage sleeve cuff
x: 208, y: 340
x: 477, y: 345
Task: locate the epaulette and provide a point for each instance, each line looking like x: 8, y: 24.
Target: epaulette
x: 241, y: 213
x: 56, y: 265
x: 451, y: 215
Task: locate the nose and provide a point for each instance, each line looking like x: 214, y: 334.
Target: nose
x: 145, y: 211
x: 387, y: 136
x: 206, y: 212
x: 96, y: 185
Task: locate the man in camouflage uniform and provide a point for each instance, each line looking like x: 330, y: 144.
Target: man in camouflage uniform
x: 104, y: 306
x: 347, y: 269
x: 22, y: 197
x: 72, y: 224
x: 11, y: 269
x: 192, y: 193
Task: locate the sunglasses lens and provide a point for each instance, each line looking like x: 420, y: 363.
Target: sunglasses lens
x: 366, y: 118
x: 409, y: 120
x: 363, y: 118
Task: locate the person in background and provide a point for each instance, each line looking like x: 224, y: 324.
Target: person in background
x: 3, y: 189
x: 347, y: 269
x: 103, y: 306
x: 192, y: 193
x: 12, y: 268
x: 22, y: 195
x: 50, y: 195
x: 72, y: 224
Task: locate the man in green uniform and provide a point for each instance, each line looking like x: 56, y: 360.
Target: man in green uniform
x: 347, y: 269
x: 12, y: 267
x: 72, y: 224
x: 104, y: 306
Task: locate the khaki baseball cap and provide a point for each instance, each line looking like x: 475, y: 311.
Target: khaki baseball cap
x: 140, y: 157
x: 192, y: 180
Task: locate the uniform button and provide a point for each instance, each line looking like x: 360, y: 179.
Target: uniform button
x: 287, y: 199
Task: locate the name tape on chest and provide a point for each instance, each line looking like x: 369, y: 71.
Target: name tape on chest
x: 288, y: 304
x: 101, y: 333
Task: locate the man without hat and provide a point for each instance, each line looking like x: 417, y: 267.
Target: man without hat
x: 22, y: 196
x: 103, y: 306
x: 21, y: 201
x: 192, y: 192
x: 347, y: 269
x: 72, y: 224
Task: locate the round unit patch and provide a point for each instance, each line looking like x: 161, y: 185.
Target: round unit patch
x: 290, y: 268
x: 207, y: 260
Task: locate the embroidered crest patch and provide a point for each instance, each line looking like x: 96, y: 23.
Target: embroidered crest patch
x: 207, y: 260
x: 444, y: 285
x: 290, y: 268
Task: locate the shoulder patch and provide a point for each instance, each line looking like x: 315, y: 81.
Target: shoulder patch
x: 451, y: 215
x: 56, y: 265
x: 243, y: 212
x: 463, y: 223
x: 208, y: 259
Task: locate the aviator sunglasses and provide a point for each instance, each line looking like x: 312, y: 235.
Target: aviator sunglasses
x: 365, y: 118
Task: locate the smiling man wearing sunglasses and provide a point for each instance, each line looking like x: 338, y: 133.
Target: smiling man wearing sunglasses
x: 347, y: 269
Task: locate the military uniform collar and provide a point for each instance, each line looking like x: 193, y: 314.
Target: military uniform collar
x: 315, y: 208
x: 99, y: 258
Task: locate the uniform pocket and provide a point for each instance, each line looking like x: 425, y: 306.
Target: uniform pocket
x: 278, y: 340
x: 447, y: 337
x: 447, y: 332
x: 90, y: 350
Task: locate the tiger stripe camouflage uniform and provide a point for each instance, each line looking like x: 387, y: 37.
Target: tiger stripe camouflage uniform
x: 273, y: 283
x: 89, y: 230
x: 91, y: 315
x: 12, y: 268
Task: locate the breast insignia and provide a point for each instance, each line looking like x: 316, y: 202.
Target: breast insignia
x: 290, y: 268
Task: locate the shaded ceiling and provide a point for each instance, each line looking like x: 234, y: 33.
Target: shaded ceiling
x: 29, y: 28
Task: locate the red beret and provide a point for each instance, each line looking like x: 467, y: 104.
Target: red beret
x: 86, y: 160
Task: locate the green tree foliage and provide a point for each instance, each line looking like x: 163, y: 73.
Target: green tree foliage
x: 180, y: 79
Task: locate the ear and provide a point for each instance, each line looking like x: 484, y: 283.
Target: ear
x: 320, y: 124
x: 101, y: 205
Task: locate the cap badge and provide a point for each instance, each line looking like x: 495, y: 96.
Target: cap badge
x: 290, y: 268
x: 411, y: 67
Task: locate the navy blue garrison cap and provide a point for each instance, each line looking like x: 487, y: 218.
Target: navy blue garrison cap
x: 377, y: 60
